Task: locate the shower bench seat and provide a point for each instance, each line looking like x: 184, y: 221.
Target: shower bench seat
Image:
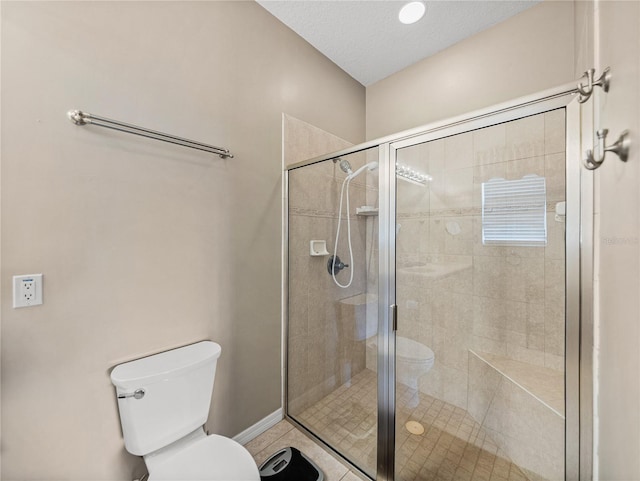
x: 521, y: 406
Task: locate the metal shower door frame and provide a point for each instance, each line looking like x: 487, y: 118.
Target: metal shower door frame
x: 578, y: 277
x: 579, y: 269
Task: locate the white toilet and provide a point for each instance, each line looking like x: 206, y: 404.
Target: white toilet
x: 164, y: 402
x: 413, y: 359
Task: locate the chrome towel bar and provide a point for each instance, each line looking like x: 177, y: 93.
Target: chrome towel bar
x: 79, y: 117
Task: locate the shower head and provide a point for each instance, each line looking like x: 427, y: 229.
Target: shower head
x: 371, y: 166
x: 345, y: 166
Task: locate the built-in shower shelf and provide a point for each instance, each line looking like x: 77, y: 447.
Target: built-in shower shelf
x: 366, y: 210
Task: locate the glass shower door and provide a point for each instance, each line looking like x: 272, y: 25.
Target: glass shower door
x: 480, y: 294
x: 332, y: 304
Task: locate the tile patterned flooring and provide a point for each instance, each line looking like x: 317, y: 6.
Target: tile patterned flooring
x: 453, y: 447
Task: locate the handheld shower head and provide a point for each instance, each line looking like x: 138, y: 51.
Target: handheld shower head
x: 334, y: 265
x: 371, y: 166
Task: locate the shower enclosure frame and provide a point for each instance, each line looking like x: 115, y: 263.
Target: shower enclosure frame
x: 578, y: 276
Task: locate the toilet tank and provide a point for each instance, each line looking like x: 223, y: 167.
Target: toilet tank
x: 177, y: 393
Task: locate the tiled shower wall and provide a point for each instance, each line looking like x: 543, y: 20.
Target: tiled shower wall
x: 323, y: 348
x: 501, y: 300
x: 477, y: 307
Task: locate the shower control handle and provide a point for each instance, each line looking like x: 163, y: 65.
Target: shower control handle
x: 334, y: 267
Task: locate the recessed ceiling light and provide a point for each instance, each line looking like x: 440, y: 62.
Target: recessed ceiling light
x: 412, y: 12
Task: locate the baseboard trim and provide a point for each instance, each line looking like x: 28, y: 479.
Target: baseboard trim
x: 258, y: 428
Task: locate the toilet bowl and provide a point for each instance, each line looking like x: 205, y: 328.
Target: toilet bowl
x: 209, y: 457
x: 413, y: 360
x: 164, y: 402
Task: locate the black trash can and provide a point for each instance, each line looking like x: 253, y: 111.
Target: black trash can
x: 289, y: 464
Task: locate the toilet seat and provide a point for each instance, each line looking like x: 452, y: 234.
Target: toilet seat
x: 211, y: 458
x: 411, y: 351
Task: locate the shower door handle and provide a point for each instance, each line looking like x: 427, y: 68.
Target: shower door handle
x: 394, y: 316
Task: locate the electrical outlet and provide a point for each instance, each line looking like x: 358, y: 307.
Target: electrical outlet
x: 27, y: 290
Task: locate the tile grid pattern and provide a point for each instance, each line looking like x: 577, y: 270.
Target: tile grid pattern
x: 453, y: 447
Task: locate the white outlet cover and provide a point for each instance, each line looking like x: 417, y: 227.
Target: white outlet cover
x: 27, y: 290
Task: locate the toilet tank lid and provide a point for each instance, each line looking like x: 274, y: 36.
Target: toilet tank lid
x: 158, y: 366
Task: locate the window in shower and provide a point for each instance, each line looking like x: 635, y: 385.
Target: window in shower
x: 514, y: 212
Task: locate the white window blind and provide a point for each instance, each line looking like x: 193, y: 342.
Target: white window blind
x: 514, y: 212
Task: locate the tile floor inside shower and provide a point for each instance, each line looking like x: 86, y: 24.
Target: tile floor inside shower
x: 453, y: 447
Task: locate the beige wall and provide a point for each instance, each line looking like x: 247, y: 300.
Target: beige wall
x: 303, y: 141
x: 618, y: 247
x: 144, y: 246
x: 525, y: 54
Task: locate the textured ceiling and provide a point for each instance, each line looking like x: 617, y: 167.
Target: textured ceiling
x: 366, y: 40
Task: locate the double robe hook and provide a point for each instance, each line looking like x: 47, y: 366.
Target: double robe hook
x: 620, y: 148
x: 586, y: 90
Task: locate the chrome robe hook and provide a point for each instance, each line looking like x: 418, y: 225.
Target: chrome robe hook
x: 586, y: 90
x: 620, y: 148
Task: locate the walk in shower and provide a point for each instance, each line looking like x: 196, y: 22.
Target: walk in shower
x: 433, y: 297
